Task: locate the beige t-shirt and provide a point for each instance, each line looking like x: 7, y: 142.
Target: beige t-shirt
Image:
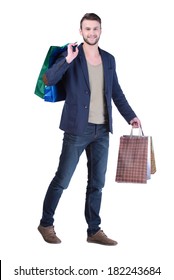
x: 97, y: 102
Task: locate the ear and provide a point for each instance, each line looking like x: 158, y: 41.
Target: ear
x: 80, y: 31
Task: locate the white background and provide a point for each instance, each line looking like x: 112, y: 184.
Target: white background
x: 140, y: 217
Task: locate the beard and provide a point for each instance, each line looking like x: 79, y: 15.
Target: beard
x: 89, y: 43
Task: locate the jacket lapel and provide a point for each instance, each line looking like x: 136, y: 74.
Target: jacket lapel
x: 84, y: 65
x: 105, y: 69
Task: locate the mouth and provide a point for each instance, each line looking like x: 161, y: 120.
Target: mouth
x: 92, y: 37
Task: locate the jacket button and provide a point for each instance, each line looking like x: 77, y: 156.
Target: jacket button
x: 86, y: 107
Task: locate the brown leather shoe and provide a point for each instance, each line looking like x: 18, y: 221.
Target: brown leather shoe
x: 49, y: 234
x: 101, y: 238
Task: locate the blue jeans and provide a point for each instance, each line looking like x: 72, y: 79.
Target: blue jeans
x: 95, y: 141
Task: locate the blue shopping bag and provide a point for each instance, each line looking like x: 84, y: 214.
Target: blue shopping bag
x: 50, y: 93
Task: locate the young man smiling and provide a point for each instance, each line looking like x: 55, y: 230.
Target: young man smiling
x: 90, y: 81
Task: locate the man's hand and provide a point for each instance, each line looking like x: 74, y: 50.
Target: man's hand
x: 135, y: 123
x: 72, y: 54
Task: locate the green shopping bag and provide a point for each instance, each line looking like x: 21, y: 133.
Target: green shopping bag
x: 50, y: 93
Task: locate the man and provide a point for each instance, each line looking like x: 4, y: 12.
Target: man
x: 88, y: 76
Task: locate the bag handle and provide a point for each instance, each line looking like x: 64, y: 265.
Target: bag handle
x: 141, y: 133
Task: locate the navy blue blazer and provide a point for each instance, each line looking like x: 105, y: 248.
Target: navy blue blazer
x: 75, y: 82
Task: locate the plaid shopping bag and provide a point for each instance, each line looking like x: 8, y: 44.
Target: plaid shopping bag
x: 152, y: 154
x: 136, y: 159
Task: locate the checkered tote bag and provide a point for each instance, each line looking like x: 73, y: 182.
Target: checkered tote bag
x: 136, y: 159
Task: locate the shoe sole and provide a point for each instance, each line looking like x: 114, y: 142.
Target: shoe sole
x: 100, y: 243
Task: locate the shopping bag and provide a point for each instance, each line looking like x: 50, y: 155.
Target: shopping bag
x: 152, y: 154
x: 136, y: 159
x: 50, y: 93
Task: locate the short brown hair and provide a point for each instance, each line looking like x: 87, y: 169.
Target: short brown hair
x: 90, y: 16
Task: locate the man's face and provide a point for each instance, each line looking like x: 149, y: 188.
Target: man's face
x: 91, y: 31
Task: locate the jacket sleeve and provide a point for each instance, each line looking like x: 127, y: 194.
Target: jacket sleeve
x: 120, y: 100
x: 55, y: 73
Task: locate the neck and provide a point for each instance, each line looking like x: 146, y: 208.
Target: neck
x: 92, y: 54
x: 90, y: 50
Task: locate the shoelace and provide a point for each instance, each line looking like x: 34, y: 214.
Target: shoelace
x: 103, y: 233
x: 51, y: 231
